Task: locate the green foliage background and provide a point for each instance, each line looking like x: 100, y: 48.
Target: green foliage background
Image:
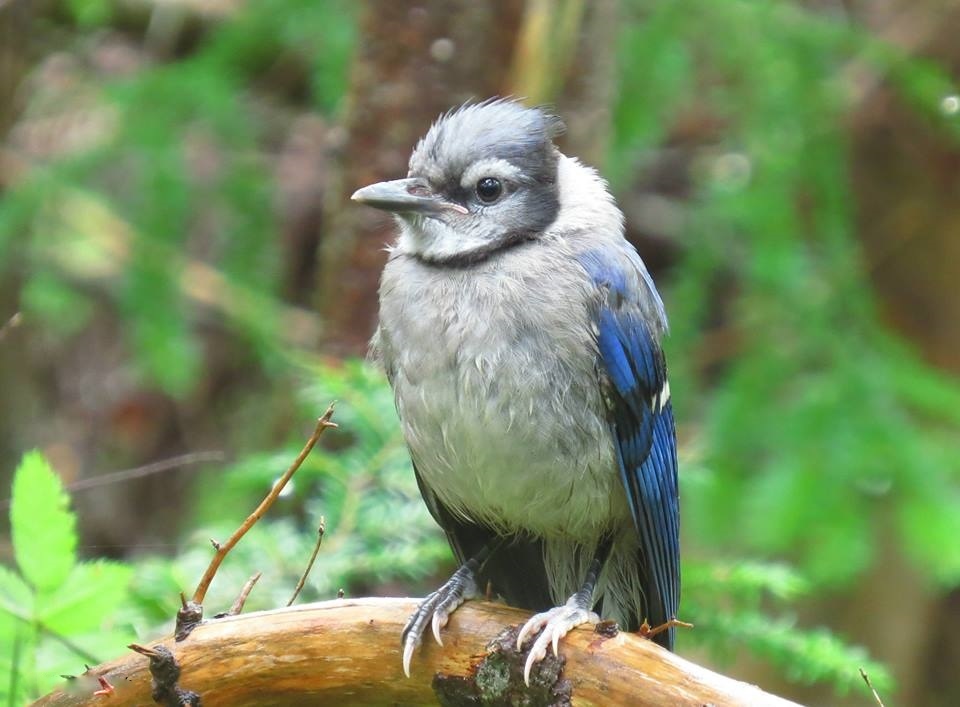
x: 864, y: 433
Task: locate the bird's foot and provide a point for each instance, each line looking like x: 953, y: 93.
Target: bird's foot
x: 436, y: 609
x: 556, y: 623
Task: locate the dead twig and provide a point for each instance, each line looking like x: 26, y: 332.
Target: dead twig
x: 322, y: 424
x: 648, y: 632
x: 147, y: 469
x: 242, y: 596
x: 316, y: 550
x: 866, y: 679
x: 115, y: 477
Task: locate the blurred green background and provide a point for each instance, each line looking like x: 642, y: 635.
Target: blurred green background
x: 184, y: 284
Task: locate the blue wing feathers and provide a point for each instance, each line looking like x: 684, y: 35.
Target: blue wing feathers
x: 642, y: 424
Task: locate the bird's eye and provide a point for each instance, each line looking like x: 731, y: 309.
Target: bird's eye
x: 489, y: 189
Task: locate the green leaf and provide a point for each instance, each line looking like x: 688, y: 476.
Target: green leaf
x: 16, y: 598
x: 930, y: 525
x: 62, y: 308
x: 90, y: 13
x: 91, y: 593
x: 42, y: 525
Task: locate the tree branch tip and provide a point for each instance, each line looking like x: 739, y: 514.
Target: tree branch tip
x: 142, y: 650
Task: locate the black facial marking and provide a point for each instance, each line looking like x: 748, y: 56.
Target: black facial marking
x: 510, y: 207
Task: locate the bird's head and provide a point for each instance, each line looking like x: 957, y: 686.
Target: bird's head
x: 483, y: 178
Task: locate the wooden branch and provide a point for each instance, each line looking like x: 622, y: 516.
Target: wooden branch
x: 347, y: 651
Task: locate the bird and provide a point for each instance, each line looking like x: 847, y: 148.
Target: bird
x: 522, y: 336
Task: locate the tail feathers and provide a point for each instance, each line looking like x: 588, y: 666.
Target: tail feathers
x: 629, y: 594
x: 658, y: 609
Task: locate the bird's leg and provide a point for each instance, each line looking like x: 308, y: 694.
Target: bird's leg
x: 559, y: 621
x: 438, y: 605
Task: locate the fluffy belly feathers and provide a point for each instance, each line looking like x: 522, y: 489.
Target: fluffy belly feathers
x: 499, y: 401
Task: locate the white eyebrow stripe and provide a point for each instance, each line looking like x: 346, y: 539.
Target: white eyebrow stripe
x: 493, y: 167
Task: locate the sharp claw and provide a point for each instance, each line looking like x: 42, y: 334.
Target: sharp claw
x: 537, y: 653
x: 435, y: 609
x: 406, y: 631
x: 526, y: 669
x: 555, y: 624
x: 408, y: 648
x: 527, y: 630
x: 438, y: 623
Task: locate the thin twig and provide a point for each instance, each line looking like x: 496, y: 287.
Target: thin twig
x: 863, y: 674
x: 648, y: 632
x: 244, y: 593
x: 14, y: 667
x: 70, y: 645
x: 138, y: 471
x: 316, y: 549
x: 147, y: 469
x: 322, y: 424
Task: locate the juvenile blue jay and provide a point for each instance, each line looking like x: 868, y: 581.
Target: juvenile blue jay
x: 521, y: 334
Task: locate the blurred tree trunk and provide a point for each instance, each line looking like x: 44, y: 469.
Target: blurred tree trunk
x: 416, y: 59
x: 15, y: 20
x: 565, y: 57
x: 15, y: 17
x: 906, y: 178
x: 907, y: 181
x: 905, y: 175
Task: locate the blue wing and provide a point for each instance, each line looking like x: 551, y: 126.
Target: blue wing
x: 630, y: 320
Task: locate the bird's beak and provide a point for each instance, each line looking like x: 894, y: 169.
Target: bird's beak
x: 411, y: 195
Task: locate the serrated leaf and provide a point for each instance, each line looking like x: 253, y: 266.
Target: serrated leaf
x: 91, y: 593
x: 41, y: 523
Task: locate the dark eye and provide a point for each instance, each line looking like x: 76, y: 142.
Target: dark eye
x: 489, y: 189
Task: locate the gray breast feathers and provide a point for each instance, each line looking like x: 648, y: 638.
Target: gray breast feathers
x: 494, y: 373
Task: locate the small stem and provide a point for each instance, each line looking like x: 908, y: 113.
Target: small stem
x: 322, y: 424
x: 14, y: 667
x: 648, y: 632
x: 316, y: 549
x: 70, y: 645
x: 863, y: 674
x: 244, y: 593
x: 138, y: 472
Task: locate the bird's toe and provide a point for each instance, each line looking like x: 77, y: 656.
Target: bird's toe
x: 555, y: 624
